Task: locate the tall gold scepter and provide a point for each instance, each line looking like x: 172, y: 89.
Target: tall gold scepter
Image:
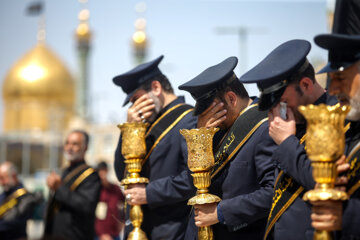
x: 133, y: 148
x: 325, y: 143
x: 201, y: 161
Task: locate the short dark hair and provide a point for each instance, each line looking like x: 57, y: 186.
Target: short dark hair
x: 309, y: 72
x: 295, y: 79
x: 102, y: 166
x: 237, y: 87
x: 164, y: 82
x: 85, y: 134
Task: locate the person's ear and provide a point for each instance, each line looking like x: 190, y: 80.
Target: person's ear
x: 306, y: 85
x: 156, y: 88
x: 231, y: 98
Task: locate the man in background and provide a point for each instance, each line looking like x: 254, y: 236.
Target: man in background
x: 16, y: 203
x: 74, y: 194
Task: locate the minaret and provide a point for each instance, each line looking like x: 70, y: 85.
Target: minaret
x: 139, y: 38
x: 83, y: 38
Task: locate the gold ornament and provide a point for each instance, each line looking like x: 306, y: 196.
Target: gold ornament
x: 133, y: 148
x: 325, y: 143
x: 200, y: 162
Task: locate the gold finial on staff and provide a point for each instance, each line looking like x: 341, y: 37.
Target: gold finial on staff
x: 133, y: 148
x: 325, y: 143
x: 200, y: 162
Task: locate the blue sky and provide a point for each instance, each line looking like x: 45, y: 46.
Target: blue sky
x: 182, y: 30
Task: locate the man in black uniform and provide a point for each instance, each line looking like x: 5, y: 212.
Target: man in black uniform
x: 74, y: 195
x: 243, y: 174
x: 164, y: 198
x: 16, y: 204
x: 285, y: 77
x: 343, y: 75
x: 344, y: 72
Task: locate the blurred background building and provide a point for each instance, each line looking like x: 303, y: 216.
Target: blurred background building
x: 42, y: 101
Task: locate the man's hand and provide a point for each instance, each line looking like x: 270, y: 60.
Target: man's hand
x: 341, y: 166
x: 141, y: 109
x: 327, y: 215
x: 136, y: 194
x: 206, y: 214
x: 280, y: 129
x: 53, y: 181
x: 212, y: 116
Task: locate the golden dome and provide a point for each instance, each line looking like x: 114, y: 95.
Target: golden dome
x: 38, y: 92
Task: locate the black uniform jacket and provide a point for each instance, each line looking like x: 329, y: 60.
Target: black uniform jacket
x: 245, y: 186
x: 13, y: 220
x: 71, y: 212
x: 290, y: 157
x: 351, y: 215
x: 166, y: 214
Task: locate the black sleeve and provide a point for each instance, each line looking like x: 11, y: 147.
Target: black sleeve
x: 291, y: 157
x: 84, y: 198
x: 119, y: 164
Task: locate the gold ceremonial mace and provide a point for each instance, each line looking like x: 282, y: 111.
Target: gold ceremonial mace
x: 133, y: 148
x: 325, y: 143
x: 201, y: 161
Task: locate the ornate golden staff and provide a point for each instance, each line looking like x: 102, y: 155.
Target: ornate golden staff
x: 201, y: 161
x: 325, y: 143
x: 133, y: 148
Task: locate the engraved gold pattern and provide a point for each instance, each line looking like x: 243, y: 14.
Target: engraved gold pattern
x: 133, y: 148
x: 200, y: 162
x: 325, y: 143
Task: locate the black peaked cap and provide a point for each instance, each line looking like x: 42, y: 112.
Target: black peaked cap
x: 272, y: 74
x: 344, y: 50
x: 204, y: 87
x: 133, y: 79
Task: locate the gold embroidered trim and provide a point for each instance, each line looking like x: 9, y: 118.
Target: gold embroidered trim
x: 167, y: 130
x: 71, y: 174
x: 278, y: 178
x: 247, y: 108
x: 353, y: 153
x: 353, y: 169
x: 81, y: 178
x: 12, y: 201
x: 239, y: 146
x: 353, y: 188
x: 282, y: 210
x: 162, y: 116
